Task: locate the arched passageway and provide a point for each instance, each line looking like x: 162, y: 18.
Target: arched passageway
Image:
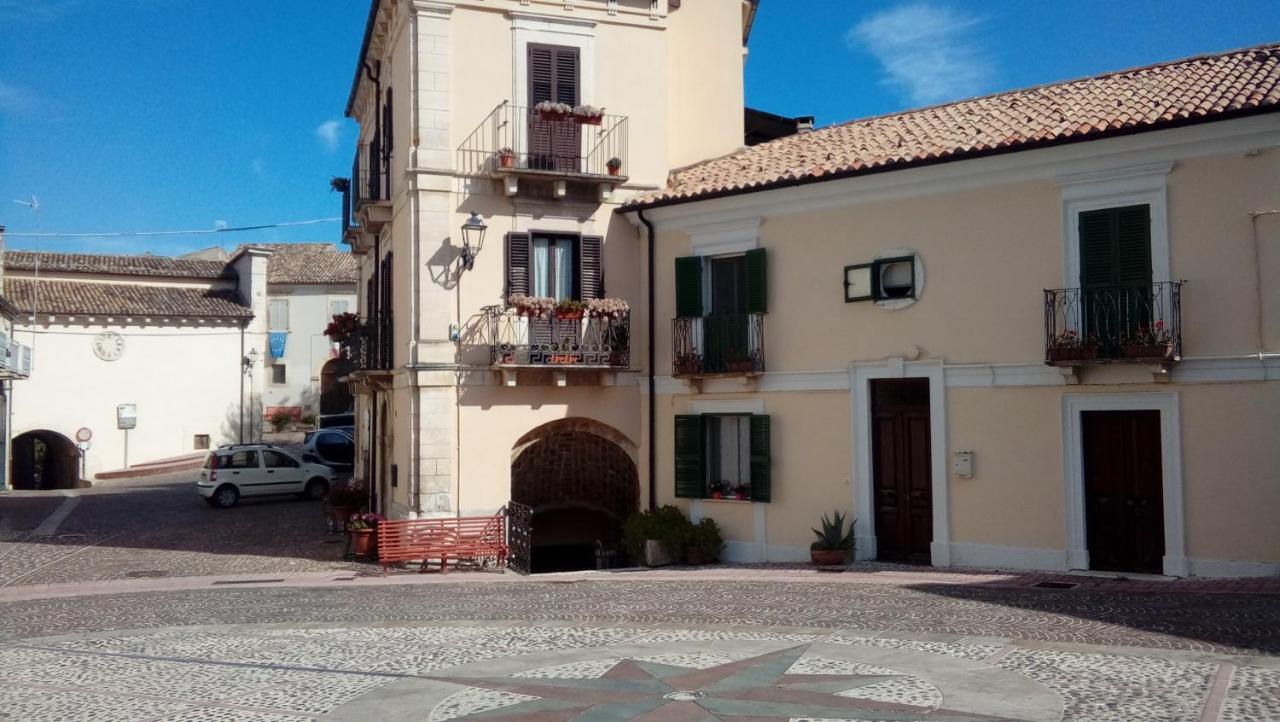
x: 580, y: 479
x: 44, y: 459
x: 335, y: 395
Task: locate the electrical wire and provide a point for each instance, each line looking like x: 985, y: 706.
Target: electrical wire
x: 206, y: 231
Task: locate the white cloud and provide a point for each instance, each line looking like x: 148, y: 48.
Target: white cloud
x: 927, y: 50
x: 15, y: 99
x: 329, y: 133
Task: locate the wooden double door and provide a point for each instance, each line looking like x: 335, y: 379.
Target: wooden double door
x: 1123, y: 490
x: 902, y: 469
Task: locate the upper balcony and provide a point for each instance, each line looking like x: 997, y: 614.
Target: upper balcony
x: 368, y: 350
x: 1114, y: 324
x: 558, y: 343
x: 15, y: 360
x: 718, y: 345
x: 369, y: 194
x: 548, y: 144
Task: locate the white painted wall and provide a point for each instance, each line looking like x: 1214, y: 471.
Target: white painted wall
x: 185, y: 381
x: 307, y: 349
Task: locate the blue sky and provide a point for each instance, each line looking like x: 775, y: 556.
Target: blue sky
x: 147, y: 115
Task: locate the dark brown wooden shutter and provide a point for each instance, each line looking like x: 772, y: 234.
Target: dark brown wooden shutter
x: 388, y: 143
x: 761, y: 459
x: 386, y: 327
x: 591, y: 267
x: 517, y: 264
x: 553, y: 75
x: 690, y: 456
x: 689, y: 287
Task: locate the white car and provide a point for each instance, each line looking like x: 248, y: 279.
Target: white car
x: 258, y: 470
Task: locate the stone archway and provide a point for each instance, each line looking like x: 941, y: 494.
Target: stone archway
x: 44, y: 459
x: 580, y: 478
x: 335, y: 395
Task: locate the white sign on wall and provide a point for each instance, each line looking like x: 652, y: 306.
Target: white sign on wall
x: 127, y: 416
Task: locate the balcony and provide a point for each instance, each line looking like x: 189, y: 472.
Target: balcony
x: 15, y: 360
x: 718, y: 345
x: 515, y: 143
x: 367, y: 351
x: 558, y: 344
x: 370, y: 190
x: 1122, y: 324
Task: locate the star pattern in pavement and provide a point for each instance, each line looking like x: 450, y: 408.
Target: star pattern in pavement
x: 754, y: 689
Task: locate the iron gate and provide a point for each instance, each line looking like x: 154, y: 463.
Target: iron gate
x: 519, y: 538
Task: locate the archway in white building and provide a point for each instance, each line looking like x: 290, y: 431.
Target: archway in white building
x: 44, y: 459
x: 335, y: 394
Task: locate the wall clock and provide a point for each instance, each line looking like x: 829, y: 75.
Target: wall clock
x: 108, y: 345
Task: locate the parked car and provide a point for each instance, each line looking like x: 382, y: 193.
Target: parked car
x: 230, y: 472
x: 335, y: 448
x: 328, y: 421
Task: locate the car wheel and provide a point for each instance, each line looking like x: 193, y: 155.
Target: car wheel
x: 316, y: 489
x: 225, y: 496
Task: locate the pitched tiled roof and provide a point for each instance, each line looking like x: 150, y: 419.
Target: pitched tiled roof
x: 117, y: 265
x: 1200, y: 89
x: 76, y: 297
x: 300, y: 263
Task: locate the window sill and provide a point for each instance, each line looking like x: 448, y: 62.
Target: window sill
x: 730, y: 501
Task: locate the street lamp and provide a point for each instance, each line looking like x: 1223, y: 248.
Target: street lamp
x: 472, y: 239
x: 248, y: 362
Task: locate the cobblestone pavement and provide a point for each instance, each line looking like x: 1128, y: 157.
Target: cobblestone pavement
x: 157, y: 528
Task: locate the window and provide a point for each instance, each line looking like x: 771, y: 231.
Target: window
x: 723, y: 456
x: 277, y: 374
x: 720, y: 307
x: 201, y: 441
x: 240, y: 460
x: 884, y: 279
x: 553, y: 75
x: 278, y: 315
x: 559, y: 266
x: 338, y: 307
x: 276, y: 460
x: 738, y: 284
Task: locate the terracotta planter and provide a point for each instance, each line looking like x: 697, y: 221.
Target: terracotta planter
x: 658, y: 553
x: 717, y: 495
x: 569, y: 315
x: 1073, y: 354
x: 588, y: 119
x: 1155, y: 351
x: 507, y: 160
x: 695, y: 556
x: 739, y: 496
x: 827, y: 557
x: 615, y: 171
x: 364, y: 543
x: 552, y: 117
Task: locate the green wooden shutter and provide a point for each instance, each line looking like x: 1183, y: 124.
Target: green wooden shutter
x: 1115, y: 247
x: 1133, y: 245
x: 691, y: 467
x: 761, y: 460
x: 689, y: 287
x: 757, y: 282
x: 1096, y: 249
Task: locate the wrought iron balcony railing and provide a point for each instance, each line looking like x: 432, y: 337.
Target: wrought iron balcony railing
x: 370, y: 179
x: 516, y: 340
x: 516, y: 140
x: 366, y: 350
x: 1135, y: 324
x: 718, y: 344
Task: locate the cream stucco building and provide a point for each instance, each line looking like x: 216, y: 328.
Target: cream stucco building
x: 850, y: 318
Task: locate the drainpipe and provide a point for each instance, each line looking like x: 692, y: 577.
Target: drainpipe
x: 653, y: 402
x: 415, y: 410
x: 240, y: 366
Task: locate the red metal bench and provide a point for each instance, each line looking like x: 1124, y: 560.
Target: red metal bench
x: 467, y: 538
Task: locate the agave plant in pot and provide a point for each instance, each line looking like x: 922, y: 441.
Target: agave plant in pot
x: 833, y: 545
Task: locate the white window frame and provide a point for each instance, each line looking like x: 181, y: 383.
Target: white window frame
x: 334, y: 301
x: 1132, y: 186
x: 1175, y: 537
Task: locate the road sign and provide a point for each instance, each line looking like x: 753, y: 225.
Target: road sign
x: 83, y: 445
x: 84, y: 434
x: 127, y: 416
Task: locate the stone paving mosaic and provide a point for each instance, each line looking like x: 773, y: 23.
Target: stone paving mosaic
x: 395, y: 671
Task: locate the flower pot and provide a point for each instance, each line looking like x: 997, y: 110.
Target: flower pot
x: 569, y: 315
x: 739, y: 496
x: 1073, y: 354
x: 589, y: 119
x: 695, y: 556
x: 1153, y: 351
x: 657, y: 553
x: 338, y: 516
x: 550, y: 116
x: 364, y: 543
x: 507, y: 160
x: 717, y: 495
x: 827, y: 557
x: 615, y: 171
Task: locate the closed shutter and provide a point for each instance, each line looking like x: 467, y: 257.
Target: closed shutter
x: 1115, y: 247
x: 761, y: 460
x: 757, y: 282
x: 553, y: 75
x: 386, y: 344
x: 591, y: 267
x: 691, y: 467
x: 517, y: 264
x: 1133, y: 245
x: 689, y: 287
x: 388, y: 142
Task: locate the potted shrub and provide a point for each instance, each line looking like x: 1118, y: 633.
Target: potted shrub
x: 506, y: 157
x: 1150, y: 343
x: 280, y: 420
x: 342, y: 326
x: 833, y: 545
x: 569, y: 310
x: 532, y: 306
x: 588, y: 115
x: 345, y: 500
x: 614, y: 165
x: 1070, y: 346
x: 606, y: 308
x: 704, y: 543
x: 363, y: 529
x: 656, y: 538
x: 550, y: 110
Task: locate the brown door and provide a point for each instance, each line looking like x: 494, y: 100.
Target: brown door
x: 901, y: 469
x: 1123, y: 490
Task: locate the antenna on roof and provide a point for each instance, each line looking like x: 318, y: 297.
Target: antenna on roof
x: 34, y: 205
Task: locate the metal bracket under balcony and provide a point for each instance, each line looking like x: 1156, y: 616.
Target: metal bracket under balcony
x: 517, y: 143
x: 1140, y: 325
x: 554, y: 348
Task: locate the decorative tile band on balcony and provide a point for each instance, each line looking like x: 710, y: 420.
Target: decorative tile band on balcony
x: 718, y: 345
x: 554, y: 142
x: 517, y: 340
x: 1117, y: 324
x: 366, y: 350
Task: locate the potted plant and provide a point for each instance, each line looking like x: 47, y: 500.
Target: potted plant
x: 342, y: 326
x: 280, y: 420
x: 737, y: 362
x: 363, y: 529
x: 1150, y: 343
x: 532, y: 306
x: 569, y: 310
x: 588, y: 115
x: 606, y: 308
x: 550, y: 110
x: 717, y: 489
x: 833, y: 544
x: 345, y: 500
x: 1070, y: 346
x: 614, y: 165
x: 656, y: 538
x: 506, y: 157
x: 688, y: 364
x: 741, y: 492
x: 704, y: 543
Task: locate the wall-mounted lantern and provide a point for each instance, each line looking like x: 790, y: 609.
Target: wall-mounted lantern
x: 472, y: 239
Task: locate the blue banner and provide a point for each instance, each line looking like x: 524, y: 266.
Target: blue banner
x: 276, y: 341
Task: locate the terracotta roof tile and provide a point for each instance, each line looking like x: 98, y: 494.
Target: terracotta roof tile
x: 77, y: 297
x: 1212, y: 87
x: 305, y: 263
x: 117, y: 265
